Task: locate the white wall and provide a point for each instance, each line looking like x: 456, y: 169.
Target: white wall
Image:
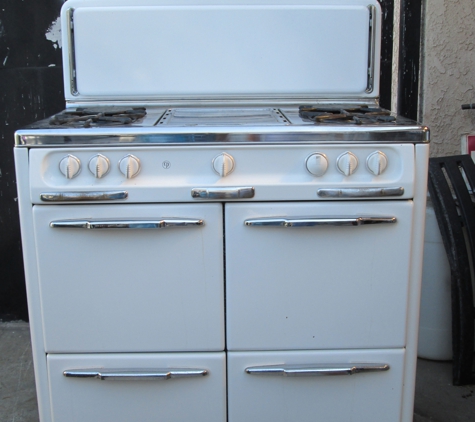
x: 448, y: 73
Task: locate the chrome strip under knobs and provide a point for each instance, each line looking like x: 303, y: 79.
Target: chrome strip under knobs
x: 360, y: 192
x: 222, y: 193
x: 83, y: 196
x: 126, y: 224
x: 135, y: 374
x: 317, y: 370
x: 311, y: 222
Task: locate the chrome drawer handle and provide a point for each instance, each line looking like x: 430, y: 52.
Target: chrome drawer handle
x: 360, y: 192
x: 317, y: 370
x: 134, y: 374
x: 222, y: 193
x: 83, y: 196
x: 126, y: 224
x: 312, y: 222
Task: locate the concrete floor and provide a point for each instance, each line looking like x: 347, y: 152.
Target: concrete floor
x: 436, y: 399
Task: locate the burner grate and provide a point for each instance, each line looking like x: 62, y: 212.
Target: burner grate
x: 99, y: 116
x: 358, y: 115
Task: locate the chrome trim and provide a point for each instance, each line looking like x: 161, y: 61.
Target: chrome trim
x: 126, y: 224
x: 371, y: 48
x: 134, y: 374
x: 222, y: 193
x: 317, y: 370
x: 72, y: 55
x: 312, y: 222
x: 183, y: 136
x: 360, y: 192
x: 83, y: 196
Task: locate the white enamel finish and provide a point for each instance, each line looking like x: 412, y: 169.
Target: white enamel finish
x: 214, y: 56
x: 347, y: 163
x: 377, y: 162
x: 70, y: 166
x: 223, y: 164
x: 99, y: 166
x: 369, y: 397
x: 129, y: 166
x: 317, y: 164
x: 131, y: 290
x: 296, y: 295
x: 170, y: 173
x: 201, y: 399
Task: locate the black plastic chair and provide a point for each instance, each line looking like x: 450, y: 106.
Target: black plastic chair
x: 451, y: 186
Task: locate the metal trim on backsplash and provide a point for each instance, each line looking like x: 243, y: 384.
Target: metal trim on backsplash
x: 72, y: 55
x: 371, y: 48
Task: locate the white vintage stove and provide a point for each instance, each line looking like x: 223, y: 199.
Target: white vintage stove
x: 223, y: 225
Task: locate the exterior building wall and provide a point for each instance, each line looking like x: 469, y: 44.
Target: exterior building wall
x: 448, y: 73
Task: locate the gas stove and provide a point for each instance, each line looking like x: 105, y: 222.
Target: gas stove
x: 236, y: 219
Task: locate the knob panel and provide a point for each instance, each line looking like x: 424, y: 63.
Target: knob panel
x: 317, y: 164
x: 70, y: 166
x: 347, y: 163
x: 129, y: 166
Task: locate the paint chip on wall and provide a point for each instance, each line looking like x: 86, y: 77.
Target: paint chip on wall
x: 54, y: 33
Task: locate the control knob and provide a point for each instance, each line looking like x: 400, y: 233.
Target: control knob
x: 70, y: 166
x: 223, y: 164
x: 347, y: 163
x: 129, y: 166
x: 99, y: 166
x: 377, y: 162
x: 317, y: 164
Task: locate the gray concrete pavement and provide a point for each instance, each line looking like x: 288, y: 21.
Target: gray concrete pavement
x: 436, y: 399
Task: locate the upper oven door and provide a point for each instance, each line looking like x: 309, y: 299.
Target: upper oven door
x: 130, y: 278
x: 314, y: 275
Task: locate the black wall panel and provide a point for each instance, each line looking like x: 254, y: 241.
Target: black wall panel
x: 31, y: 88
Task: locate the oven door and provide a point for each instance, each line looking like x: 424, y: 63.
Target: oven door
x: 131, y: 278
x: 317, y: 275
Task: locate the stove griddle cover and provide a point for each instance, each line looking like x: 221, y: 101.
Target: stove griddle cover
x: 135, y: 51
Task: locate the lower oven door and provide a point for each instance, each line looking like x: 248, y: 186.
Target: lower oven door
x: 131, y: 278
x: 310, y: 386
x: 317, y: 275
x: 175, y: 387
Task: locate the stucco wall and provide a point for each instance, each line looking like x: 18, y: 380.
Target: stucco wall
x: 448, y: 73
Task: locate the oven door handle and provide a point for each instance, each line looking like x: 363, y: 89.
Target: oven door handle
x: 311, y: 222
x: 83, y: 196
x: 126, y: 224
x: 317, y: 370
x: 135, y: 374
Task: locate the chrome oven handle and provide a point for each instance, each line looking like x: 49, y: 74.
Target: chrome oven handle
x: 360, y: 192
x: 135, y: 374
x: 312, y: 222
x: 83, y: 196
x: 317, y: 370
x: 126, y: 224
x: 223, y: 193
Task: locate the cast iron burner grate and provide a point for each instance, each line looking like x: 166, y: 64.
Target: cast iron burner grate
x: 98, y: 116
x: 358, y: 115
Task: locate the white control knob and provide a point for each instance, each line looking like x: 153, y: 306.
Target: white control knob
x: 223, y: 164
x: 377, y: 162
x: 70, y: 166
x: 130, y: 166
x: 99, y: 166
x: 317, y: 164
x: 347, y: 163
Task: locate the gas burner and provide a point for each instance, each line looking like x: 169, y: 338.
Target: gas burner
x: 358, y: 115
x: 98, y: 116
